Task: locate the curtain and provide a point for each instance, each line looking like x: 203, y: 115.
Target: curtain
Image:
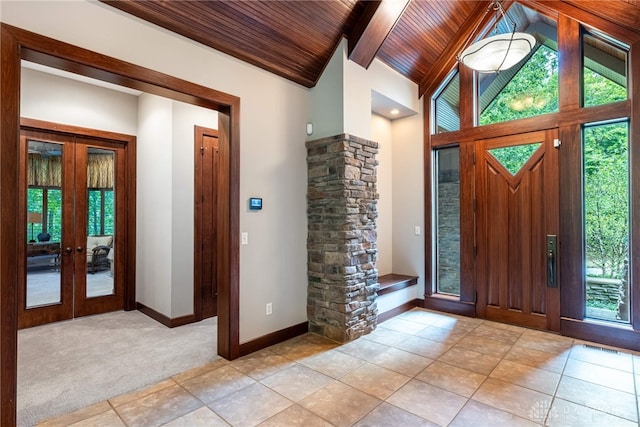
x: 100, y: 171
x: 46, y: 171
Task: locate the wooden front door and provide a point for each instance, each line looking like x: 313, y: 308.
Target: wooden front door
x: 72, y: 194
x: 517, y: 210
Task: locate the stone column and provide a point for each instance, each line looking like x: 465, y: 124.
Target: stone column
x: 342, y: 248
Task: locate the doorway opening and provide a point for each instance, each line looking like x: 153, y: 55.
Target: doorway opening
x: 20, y: 44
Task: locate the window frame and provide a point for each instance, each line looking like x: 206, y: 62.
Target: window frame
x: 568, y: 120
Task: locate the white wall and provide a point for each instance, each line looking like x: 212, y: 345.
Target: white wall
x: 381, y: 133
x: 154, y: 202
x: 56, y: 99
x: 401, y: 204
x: 408, y: 198
x: 357, y: 93
x: 165, y: 198
x: 327, y: 107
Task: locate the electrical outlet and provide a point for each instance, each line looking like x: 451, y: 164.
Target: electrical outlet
x: 269, y: 309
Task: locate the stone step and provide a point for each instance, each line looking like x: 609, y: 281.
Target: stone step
x: 394, y: 282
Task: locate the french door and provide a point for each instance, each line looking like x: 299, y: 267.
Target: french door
x: 72, y: 203
x: 517, y: 228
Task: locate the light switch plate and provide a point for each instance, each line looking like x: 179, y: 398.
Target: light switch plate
x: 244, y: 238
x: 417, y: 230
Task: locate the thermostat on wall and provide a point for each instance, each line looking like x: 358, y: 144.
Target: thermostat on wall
x: 255, y: 203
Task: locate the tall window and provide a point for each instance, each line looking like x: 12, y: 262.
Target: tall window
x: 606, y: 213
x: 447, y: 220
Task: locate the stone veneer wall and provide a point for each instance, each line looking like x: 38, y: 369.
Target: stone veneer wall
x: 342, y: 248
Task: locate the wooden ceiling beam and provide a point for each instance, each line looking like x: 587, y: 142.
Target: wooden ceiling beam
x: 621, y: 13
x: 376, y: 23
x: 446, y: 61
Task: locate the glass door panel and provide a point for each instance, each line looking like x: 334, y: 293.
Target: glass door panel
x: 46, y: 200
x: 100, y: 223
x: 44, y: 177
x: 98, y: 282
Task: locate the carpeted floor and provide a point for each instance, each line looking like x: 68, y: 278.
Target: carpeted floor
x: 68, y: 365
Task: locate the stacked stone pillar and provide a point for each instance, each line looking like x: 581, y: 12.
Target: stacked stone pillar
x: 342, y: 248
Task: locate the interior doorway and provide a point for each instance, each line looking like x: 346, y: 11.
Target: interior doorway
x: 74, y: 228
x: 20, y: 44
x: 517, y: 228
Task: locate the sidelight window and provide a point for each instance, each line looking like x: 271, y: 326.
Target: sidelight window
x: 447, y: 220
x: 606, y: 220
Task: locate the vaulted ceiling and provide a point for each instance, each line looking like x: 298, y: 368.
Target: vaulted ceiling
x: 296, y: 38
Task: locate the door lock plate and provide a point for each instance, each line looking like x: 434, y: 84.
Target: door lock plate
x: 552, y: 261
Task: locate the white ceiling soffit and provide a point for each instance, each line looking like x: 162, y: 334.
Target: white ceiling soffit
x: 388, y: 108
x: 77, y: 77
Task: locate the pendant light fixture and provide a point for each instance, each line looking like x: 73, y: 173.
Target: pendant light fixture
x: 500, y: 51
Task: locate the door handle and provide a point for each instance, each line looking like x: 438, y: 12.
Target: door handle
x: 79, y: 249
x: 552, y: 270
x: 68, y: 250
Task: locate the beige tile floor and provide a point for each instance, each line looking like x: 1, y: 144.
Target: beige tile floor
x: 421, y: 368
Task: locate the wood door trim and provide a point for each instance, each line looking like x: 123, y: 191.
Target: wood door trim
x: 17, y: 44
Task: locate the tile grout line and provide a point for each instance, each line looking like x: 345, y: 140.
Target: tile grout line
x: 555, y: 393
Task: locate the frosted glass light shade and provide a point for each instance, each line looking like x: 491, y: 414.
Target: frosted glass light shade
x: 497, y: 53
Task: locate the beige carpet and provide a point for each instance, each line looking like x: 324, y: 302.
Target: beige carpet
x: 68, y: 365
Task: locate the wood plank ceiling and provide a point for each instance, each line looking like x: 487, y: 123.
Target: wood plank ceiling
x: 296, y: 38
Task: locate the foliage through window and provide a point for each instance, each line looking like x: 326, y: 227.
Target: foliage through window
x: 532, y: 91
x: 100, y: 212
x: 514, y: 157
x: 48, y: 202
x: 606, y: 213
x: 605, y: 72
